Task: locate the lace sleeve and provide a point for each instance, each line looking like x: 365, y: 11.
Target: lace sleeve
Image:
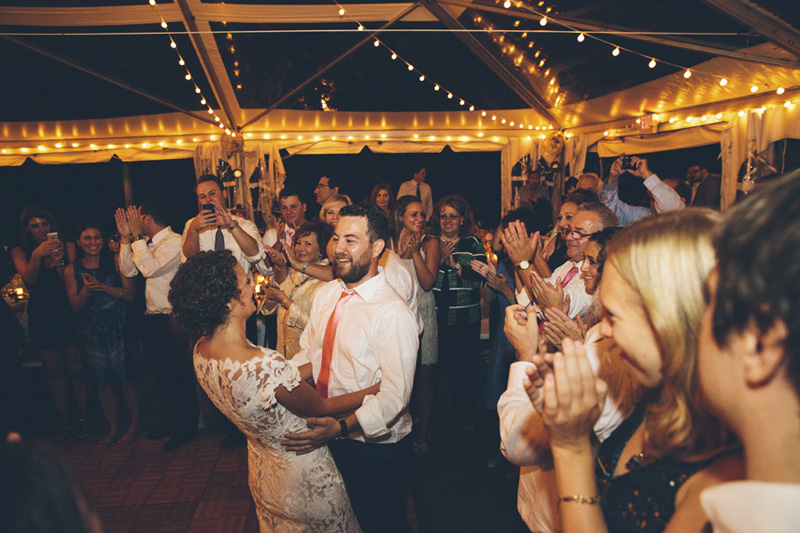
x: 275, y: 371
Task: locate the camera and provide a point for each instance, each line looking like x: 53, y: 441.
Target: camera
x: 628, y: 164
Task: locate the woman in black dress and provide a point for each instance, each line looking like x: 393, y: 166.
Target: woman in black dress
x: 40, y: 259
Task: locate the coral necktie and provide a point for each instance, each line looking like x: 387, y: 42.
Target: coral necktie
x: 569, y: 276
x: 327, y: 343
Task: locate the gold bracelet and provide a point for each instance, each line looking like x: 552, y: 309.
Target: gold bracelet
x: 594, y: 500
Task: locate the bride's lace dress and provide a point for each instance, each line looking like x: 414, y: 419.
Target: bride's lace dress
x: 291, y: 492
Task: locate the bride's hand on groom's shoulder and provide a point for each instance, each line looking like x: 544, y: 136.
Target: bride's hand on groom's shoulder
x: 320, y: 431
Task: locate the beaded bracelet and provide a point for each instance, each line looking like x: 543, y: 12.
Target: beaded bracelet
x: 594, y: 500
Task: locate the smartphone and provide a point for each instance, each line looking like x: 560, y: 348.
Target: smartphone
x: 210, y: 208
x: 52, y: 236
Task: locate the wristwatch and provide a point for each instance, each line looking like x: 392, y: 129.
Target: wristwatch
x: 233, y: 226
x: 523, y: 265
x: 139, y: 237
x: 305, y: 266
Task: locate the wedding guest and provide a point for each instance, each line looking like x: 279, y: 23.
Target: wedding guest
x: 330, y: 209
x: 294, y: 290
x: 41, y: 261
x: 458, y: 303
x: 416, y: 186
x: 421, y: 253
x: 107, y: 350
x: 749, y: 362
x: 150, y: 247
x: 649, y: 473
x: 381, y: 196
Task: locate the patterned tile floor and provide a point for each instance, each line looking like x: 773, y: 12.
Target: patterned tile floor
x: 201, y: 487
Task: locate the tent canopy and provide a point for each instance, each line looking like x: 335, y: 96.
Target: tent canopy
x: 95, y: 78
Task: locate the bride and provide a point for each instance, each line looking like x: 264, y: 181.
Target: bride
x: 265, y: 396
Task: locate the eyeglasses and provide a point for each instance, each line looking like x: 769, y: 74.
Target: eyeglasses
x: 449, y: 217
x: 575, y: 234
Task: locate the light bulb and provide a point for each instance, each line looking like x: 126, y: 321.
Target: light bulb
x: 450, y: 96
x: 719, y: 116
x: 203, y: 101
x: 377, y: 43
x: 581, y: 37
x: 394, y: 56
x: 723, y: 82
x: 188, y: 76
x: 152, y: 2
x: 461, y: 102
x: 780, y: 90
x: 741, y: 113
x: 543, y: 22
x: 197, y: 90
x: 172, y: 44
x: 360, y: 27
x: 507, y: 4
x: 652, y: 63
x: 483, y: 113
x: 787, y: 103
x: 615, y: 53
x: 163, y: 24
x: 341, y: 12
x: 687, y: 74
x: 472, y: 108
x: 422, y: 77
x: 494, y: 117
x: 754, y: 89
x: 181, y: 62
x: 410, y: 67
x: 436, y: 88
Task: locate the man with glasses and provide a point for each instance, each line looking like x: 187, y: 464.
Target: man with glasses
x: 551, y: 288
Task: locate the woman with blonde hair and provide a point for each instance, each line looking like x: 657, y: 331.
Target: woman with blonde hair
x: 331, y: 207
x: 650, y: 471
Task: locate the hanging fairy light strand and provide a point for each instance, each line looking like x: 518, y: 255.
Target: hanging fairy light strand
x: 188, y: 76
x: 437, y: 87
x: 723, y: 81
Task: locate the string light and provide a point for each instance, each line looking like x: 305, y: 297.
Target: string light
x: 780, y: 90
x: 507, y: 4
x: 581, y: 37
x: 687, y: 74
x: 652, y: 63
x: 615, y: 53
x: 723, y: 82
x: 754, y: 89
x: 543, y: 22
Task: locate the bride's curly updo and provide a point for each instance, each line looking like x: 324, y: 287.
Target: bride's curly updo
x: 200, y: 291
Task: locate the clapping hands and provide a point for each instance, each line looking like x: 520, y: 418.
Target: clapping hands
x: 569, y: 399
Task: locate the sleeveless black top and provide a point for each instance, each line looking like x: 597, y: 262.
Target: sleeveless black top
x: 642, y: 499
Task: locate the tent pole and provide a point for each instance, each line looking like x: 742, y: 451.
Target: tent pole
x: 127, y: 185
x: 330, y: 65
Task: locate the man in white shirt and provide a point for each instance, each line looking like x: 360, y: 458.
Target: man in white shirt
x: 663, y: 197
x: 150, y: 247
x: 552, y: 288
x: 373, y: 337
x: 214, y: 228
x: 293, y: 215
x: 749, y: 358
x: 416, y: 186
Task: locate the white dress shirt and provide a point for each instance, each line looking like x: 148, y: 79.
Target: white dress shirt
x: 376, y: 341
x: 403, y: 280
x: 409, y: 188
x: 208, y: 236
x: 752, y: 507
x: 664, y: 199
x: 536, y: 494
x: 579, y: 299
x: 271, y: 236
x: 158, y: 262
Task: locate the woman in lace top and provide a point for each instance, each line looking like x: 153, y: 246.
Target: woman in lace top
x: 649, y: 473
x: 265, y: 396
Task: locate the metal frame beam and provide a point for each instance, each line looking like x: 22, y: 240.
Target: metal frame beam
x: 96, y: 73
x: 760, y: 21
x: 207, y: 50
x: 517, y: 84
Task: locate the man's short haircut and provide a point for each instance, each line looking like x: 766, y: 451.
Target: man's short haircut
x: 286, y: 192
x: 607, y: 216
x: 758, y: 250
x: 684, y: 191
x: 377, y: 223
x: 157, y: 210
x: 525, y: 216
x: 334, y: 180
x: 581, y: 196
x: 209, y: 177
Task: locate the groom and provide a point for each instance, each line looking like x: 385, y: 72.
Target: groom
x: 360, y: 332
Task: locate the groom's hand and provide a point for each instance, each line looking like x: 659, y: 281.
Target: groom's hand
x: 320, y: 431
